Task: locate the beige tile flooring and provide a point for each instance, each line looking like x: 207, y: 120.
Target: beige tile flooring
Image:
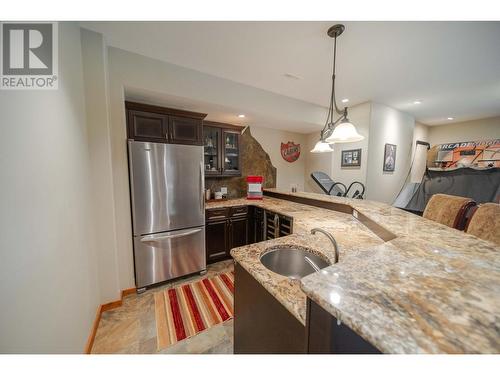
x: 131, y: 328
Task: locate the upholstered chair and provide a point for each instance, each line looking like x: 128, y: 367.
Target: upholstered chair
x: 485, y: 223
x: 449, y: 210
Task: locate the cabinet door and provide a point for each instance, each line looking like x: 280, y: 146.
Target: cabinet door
x: 259, y: 229
x: 185, y: 130
x: 231, y: 162
x: 211, y: 150
x: 251, y: 225
x: 239, y: 232
x: 146, y: 126
x: 216, y: 240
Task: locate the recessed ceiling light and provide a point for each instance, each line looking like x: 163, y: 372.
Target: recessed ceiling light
x: 241, y: 116
x: 451, y: 118
x: 417, y: 102
x: 345, y: 100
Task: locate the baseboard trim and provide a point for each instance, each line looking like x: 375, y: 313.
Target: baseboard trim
x: 100, y: 310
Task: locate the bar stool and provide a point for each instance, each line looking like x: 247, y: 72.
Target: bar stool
x: 449, y: 210
x: 485, y: 222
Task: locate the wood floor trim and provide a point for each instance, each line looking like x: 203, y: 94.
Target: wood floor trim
x: 100, y: 309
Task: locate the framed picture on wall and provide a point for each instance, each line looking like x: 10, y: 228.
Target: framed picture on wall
x: 351, y: 158
x: 389, y: 157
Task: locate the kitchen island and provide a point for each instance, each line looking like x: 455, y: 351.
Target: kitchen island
x: 403, y: 283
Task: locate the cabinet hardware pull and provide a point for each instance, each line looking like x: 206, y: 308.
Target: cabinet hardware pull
x: 216, y: 217
x: 155, y: 238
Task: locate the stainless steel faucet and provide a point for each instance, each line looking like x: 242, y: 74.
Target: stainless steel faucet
x: 330, y: 237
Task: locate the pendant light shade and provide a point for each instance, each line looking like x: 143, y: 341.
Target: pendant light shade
x: 322, y: 146
x: 344, y: 132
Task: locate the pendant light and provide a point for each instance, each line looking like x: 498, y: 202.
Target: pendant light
x: 340, y: 130
x: 322, y: 146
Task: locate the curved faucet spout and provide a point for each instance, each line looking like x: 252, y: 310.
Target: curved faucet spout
x: 331, y: 238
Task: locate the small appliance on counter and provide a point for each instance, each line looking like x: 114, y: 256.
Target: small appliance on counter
x: 254, y: 187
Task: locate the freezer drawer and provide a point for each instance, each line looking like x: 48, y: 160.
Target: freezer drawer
x: 167, y: 255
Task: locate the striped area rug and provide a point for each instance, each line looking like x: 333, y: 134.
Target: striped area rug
x: 189, y: 309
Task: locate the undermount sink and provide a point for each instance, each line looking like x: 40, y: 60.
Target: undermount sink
x: 294, y: 262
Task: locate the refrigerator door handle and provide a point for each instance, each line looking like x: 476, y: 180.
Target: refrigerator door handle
x: 202, y: 201
x: 156, y: 238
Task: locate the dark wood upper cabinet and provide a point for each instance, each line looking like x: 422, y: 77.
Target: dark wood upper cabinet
x: 185, y: 130
x: 147, y: 126
x: 151, y: 123
x: 222, y: 149
x: 231, y: 152
x: 212, y: 150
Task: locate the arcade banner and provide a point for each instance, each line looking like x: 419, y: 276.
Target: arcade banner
x: 480, y: 154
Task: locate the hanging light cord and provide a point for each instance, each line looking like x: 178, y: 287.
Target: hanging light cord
x: 333, y: 101
x: 333, y: 108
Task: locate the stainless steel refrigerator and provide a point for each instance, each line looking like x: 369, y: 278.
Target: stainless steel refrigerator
x: 168, y: 210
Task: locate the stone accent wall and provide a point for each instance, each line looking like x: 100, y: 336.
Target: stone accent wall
x: 254, y: 161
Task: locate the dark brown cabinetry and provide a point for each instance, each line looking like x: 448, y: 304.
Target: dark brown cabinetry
x: 276, y: 225
x: 222, y: 149
x: 216, y: 244
x: 255, y: 225
x: 265, y: 225
x: 225, y: 228
x: 262, y: 325
x: 238, y: 231
x: 147, y: 126
x: 150, y: 123
x: 326, y: 336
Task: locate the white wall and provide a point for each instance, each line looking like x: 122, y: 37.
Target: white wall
x: 330, y: 163
x: 487, y: 128
x: 286, y: 173
x: 360, y: 117
x: 94, y: 54
x: 48, y: 273
x: 388, y: 125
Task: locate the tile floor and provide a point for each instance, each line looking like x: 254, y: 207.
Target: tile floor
x: 131, y: 328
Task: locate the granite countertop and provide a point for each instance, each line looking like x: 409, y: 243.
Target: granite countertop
x: 430, y: 289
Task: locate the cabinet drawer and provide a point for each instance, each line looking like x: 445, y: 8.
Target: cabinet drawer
x: 239, y: 211
x: 217, y: 213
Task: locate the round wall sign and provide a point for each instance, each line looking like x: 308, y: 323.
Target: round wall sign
x: 290, y: 151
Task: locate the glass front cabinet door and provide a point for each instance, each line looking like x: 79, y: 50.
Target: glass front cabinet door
x: 211, y: 151
x: 231, y: 149
x: 222, y: 150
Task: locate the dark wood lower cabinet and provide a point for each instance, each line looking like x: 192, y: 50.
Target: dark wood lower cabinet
x: 262, y: 325
x: 326, y: 336
x: 225, y: 229
x: 216, y: 233
x: 238, y: 232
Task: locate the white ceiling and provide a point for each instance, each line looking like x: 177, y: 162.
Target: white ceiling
x: 452, y: 67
